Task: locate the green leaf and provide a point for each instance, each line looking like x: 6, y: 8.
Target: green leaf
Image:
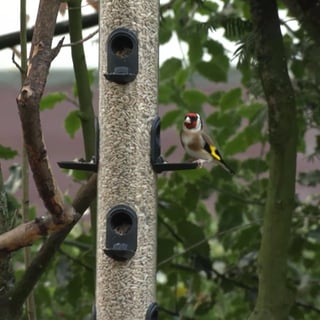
x: 193, y: 235
x: 49, y: 101
x: 215, y: 70
x: 165, y: 249
x: 181, y: 77
x: 298, y: 68
x: 91, y: 76
x: 254, y: 164
x: 243, y: 140
x: 169, y: 68
x: 192, y: 195
x: 215, y: 48
x: 215, y: 97
x: 194, y: 97
x: 230, y: 99
x: 164, y: 35
x: 224, y: 119
x: 7, y: 152
x: 78, y: 175
x: 248, y: 236
x: 72, y: 122
x: 165, y: 31
x: 229, y: 216
x: 170, y: 118
x: 195, y: 175
x: 166, y: 91
x: 208, y: 7
x: 251, y: 110
x: 195, y: 51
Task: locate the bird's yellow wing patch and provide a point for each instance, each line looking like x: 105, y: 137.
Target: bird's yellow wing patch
x: 215, y: 153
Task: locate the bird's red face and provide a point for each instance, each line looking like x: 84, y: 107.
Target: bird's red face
x: 192, y: 120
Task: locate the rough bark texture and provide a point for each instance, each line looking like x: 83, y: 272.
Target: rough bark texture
x: 274, y: 299
x: 27, y: 233
x: 6, y: 272
x: 28, y: 103
x: 126, y: 289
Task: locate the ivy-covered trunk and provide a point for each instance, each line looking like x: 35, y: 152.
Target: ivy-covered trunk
x: 6, y: 272
x: 274, y: 298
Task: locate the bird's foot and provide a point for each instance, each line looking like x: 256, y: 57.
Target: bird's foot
x: 200, y: 162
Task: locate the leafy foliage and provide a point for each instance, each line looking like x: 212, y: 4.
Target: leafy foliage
x: 211, y: 273
x: 7, y: 152
x: 72, y: 122
x: 209, y: 223
x: 49, y: 101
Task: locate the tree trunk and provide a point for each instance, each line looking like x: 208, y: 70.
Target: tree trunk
x: 274, y: 298
x: 6, y: 222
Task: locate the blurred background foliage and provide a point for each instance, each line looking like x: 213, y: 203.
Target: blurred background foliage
x: 209, y: 223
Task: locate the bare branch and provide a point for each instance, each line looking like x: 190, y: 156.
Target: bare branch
x: 27, y: 233
x: 16, y: 63
x: 28, y: 102
x: 12, y: 39
x: 91, y: 35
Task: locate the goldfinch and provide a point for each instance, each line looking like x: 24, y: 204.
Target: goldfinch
x: 198, y: 144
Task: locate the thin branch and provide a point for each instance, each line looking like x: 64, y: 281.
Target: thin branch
x: 307, y: 306
x: 30, y: 302
x: 169, y: 312
x: 27, y: 233
x: 28, y: 102
x: 75, y: 260
x: 170, y: 230
x: 239, y: 197
x: 77, y: 244
x: 91, y: 35
x: 16, y: 63
x: 218, y: 274
x: 197, y: 244
x: 12, y: 39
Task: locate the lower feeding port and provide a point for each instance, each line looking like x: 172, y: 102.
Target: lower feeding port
x: 121, y: 238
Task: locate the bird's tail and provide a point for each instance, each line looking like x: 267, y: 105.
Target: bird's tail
x: 226, y: 167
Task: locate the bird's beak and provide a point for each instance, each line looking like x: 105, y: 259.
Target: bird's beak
x: 187, y: 120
